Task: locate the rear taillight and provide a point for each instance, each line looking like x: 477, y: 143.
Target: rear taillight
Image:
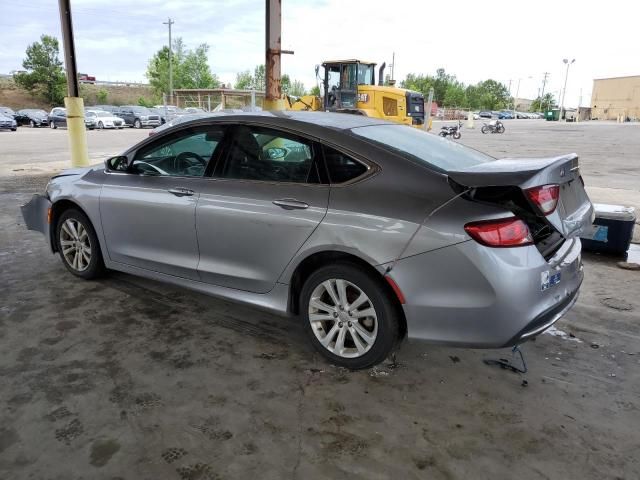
x: 504, y: 232
x: 544, y: 197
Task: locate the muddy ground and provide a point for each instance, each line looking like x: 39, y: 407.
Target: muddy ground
x: 131, y: 379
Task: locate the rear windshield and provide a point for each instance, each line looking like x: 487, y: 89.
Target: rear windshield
x: 437, y: 152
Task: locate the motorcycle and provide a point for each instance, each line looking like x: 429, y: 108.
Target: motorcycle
x: 494, y: 126
x: 453, y: 130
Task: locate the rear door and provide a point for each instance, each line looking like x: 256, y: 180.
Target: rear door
x: 263, y: 202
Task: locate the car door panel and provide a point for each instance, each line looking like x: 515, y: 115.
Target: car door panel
x: 147, y: 226
x: 249, y: 229
x: 245, y: 239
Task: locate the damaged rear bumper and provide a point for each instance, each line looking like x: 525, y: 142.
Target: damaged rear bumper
x: 36, y: 215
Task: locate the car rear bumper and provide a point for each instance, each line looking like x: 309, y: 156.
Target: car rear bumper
x: 475, y: 296
x: 36, y: 215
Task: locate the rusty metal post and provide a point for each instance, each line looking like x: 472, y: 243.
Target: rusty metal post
x: 73, y: 101
x: 273, y: 91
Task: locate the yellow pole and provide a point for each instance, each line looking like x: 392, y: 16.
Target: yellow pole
x: 77, y: 131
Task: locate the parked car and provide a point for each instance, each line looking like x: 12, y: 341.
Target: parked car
x: 167, y: 114
x: 58, y: 118
x: 86, y: 78
x: 520, y: 115
x: 485, y: 114
x: 7, y: 122
x: 505, y: 115
x: 33, y: 117
x: 139, y: 117
x: 300, y: 213
x: 7, y: 112
x: 102, y: 120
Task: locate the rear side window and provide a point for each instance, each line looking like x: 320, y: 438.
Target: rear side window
x: 439, y: 153
x: 342, y: 168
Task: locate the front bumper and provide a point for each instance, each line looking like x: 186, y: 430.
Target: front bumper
x: 150, y: 123
x: 473, y: 296
x: 36, y: 215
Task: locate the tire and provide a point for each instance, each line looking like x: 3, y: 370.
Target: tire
x: 32, y: 124
x: 73, y: 238
x: 457, y: 135
x: 500, y: 129
x: 484, y: 129
x: 100, y: 126
x: 443, y: 134
x: 379, y: 328
x: 53, y: 125
x: 137, y: 123
x: 14, y: 129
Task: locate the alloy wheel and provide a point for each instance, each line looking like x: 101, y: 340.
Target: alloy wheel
x: 75, y: 244
x: 343, y: 318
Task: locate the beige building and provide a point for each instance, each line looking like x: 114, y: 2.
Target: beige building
x: 522, y: 104
x: 612, y: 97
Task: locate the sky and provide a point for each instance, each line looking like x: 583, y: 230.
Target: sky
x: 514, y: 42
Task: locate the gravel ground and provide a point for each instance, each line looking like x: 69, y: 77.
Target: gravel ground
x: 125, y: 378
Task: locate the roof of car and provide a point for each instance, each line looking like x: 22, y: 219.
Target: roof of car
x: 338, y: 121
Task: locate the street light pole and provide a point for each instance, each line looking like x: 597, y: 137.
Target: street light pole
x: 170, y: 22
x: 566, y: 76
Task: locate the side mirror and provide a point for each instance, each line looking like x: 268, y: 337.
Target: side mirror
x: 275, y: 153
x: 117, y: 164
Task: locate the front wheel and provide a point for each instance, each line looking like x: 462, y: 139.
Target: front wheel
x: 78, y: 245
x: 484, y: 129
x: 349, y: 315
x: 137, y: 124
x: 53, y: 125
x: 457, y: 135
x: 100, y: 126
x: 32, y: 124
x: 500, y: 129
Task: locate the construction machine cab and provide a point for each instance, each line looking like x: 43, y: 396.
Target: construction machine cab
x: 341, y: 80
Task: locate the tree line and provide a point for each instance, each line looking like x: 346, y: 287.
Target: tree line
x: 44, y: 76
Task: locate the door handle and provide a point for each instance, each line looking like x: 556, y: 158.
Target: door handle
x: 181, y: 192
x: 291, y: 204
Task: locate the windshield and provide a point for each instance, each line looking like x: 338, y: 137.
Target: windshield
x: 141, y: 110
x: 6, y: 110
x: 36, y: 112
x: 103, y: 114
x: 437, y: 152
x: 365, y: 74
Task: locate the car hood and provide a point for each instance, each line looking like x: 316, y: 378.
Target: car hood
x: 77, y: 171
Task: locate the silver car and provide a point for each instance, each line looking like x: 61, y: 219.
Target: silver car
x: 367, y: 231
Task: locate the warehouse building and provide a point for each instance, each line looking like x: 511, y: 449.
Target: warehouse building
x: 614, y: 97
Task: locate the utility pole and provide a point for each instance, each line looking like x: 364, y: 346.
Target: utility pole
x: 73, y: 102
x: 566, y: 76
x: 393, y: 65
x: 170, y: 22
x: 544, y: 83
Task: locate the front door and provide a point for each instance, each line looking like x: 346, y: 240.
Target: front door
x: 148, y: 213
x: 264, y: 201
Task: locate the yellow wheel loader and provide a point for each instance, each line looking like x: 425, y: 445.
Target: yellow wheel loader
x: 349, y: 86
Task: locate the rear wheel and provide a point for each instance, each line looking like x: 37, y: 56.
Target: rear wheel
x: 349, y: 316
x: 78, y: 245
x: 484, y: 129
x: 443, y: 134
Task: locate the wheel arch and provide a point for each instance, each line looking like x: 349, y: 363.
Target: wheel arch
x: 321, y: 258
x: 57, y: 209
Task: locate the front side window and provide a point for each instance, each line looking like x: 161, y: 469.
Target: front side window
x: 257, y: 153
x: 365, y: 74
x: 186, y: 153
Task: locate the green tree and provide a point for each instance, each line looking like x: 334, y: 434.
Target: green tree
x: 543, y: 104
x: 315, y: 90
x: 490, y: 95
x: 294, y: 88
x: 246, y: 81
x: 44, y: 74
x: 190, y: 68
x: 101, y: 96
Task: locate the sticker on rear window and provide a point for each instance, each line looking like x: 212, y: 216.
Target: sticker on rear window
x: 549, y: 279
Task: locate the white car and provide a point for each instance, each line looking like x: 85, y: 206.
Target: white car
x: 104, y: 119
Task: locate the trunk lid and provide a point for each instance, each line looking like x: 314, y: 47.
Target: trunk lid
x: 574, y: 213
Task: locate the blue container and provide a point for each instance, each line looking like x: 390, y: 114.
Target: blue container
x: 612, y: 229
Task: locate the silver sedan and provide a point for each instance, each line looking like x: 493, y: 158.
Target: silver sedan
x: 367, y: 231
